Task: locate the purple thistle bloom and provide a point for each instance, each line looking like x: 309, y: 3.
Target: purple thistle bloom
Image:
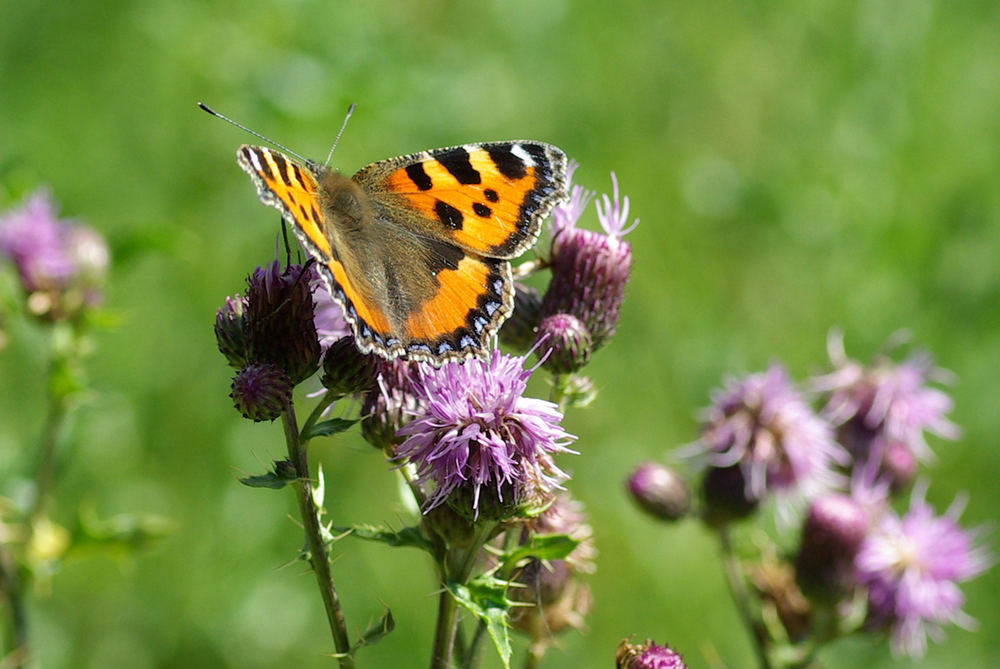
x: 54, y: 257
x: 589, y: 269
x: 762, y: 424
x: 885, y: 403
x: 478, y: 430
x: 648, y: 655
x: 912, y: 567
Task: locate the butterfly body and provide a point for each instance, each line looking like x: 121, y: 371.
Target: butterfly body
x: 416, y: 249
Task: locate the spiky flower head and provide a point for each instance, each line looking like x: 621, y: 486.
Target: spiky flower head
x: 659, y: 491
x: 61, y: 264
x: 229, y: 331
x: 886, y: 406
x: 648, y: 655
x: 261, y: 391
x: 478, y: 434
x: 346, y: 370
x: 279, y: 320
x: 518, y: 331
x: 912, y: 566
x: 590, y: 269
x: 763, y: 425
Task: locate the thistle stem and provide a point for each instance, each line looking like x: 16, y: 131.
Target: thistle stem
x: 444, y: 632
x: 298, y: 455
x: 738, y: 591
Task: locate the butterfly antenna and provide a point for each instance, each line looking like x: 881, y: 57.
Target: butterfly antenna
x: 256, y: 134
x: 350, y: 110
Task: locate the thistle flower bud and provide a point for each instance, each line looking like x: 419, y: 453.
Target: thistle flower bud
x: 567, y: 342
x: 279, y: 317
x: 648, y: 655
x: 660, y: 491
x: 831, y: 536
x: 229, y: 331
x: 555, y: 589
x: 346, y: 370
x: 518, y: 331
x: 389, y: 403
x: 261, y: 391
x: 726, y: 497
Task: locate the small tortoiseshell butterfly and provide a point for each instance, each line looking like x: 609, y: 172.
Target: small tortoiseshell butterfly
x: 416, y: 249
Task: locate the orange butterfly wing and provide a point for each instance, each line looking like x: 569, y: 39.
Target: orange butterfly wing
x: 489, y: 199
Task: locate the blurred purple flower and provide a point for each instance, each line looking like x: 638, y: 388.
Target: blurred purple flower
x: 912, y: 567
x: 885, y: 404
x: 54, y: 257
x: 477, y: 429
x: 762, y: 424
x: 648, y: 655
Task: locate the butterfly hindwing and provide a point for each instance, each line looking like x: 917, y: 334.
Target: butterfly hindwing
x: 488, y: 198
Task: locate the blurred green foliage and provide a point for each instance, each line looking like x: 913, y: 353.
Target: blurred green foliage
x: 796, y: 166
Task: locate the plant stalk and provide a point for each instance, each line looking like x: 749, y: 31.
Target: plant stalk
x: 741, y: 597
x: 298, y: 455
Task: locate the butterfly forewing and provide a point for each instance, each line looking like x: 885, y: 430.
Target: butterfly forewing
x: 488, y: 198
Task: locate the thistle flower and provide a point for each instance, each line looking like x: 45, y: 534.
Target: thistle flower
x: 478, y: 433
x: 390, y: 403
x: 762, y: 424
x: 61, y: 264
x: 885, y: 406
x: 279, y: 320
x: 590, y: 269
x: 912, y: 567
x: 648, y: 655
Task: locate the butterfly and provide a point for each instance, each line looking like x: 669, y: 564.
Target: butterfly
x: 416, y: 250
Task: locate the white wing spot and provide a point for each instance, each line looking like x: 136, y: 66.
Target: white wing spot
x: 525, y: 157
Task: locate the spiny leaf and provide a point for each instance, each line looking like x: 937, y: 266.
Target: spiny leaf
x: 328, y: 427
x: 406, y: 536
x: 543, y: 547
x: 377, y: 631
x: 485, y: 597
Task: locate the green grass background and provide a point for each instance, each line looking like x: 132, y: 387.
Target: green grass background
x: 796, y: 166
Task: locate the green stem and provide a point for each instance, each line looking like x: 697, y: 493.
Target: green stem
x: 44, y: 473
x: 741, y: 597
x: 456, y: 567
x: 444, y: 632
x: 298, y: 455
x: 474, y: 653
